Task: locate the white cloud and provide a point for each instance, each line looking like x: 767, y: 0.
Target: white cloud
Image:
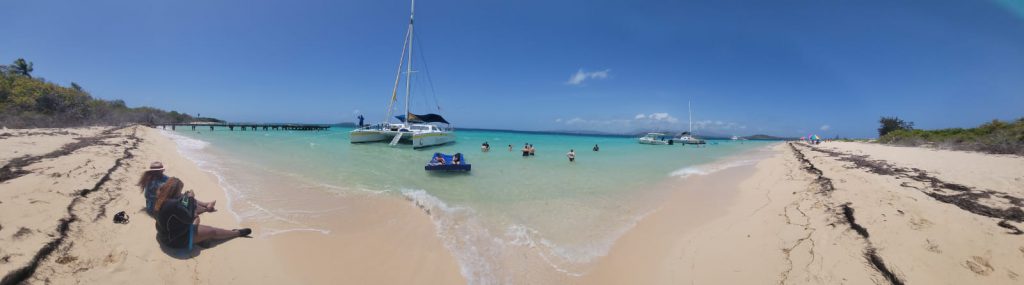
x: 580, y: 76
x: 559, y: 120
x: 825, y: 127
x: 639, y: 116
x: 662, y: 117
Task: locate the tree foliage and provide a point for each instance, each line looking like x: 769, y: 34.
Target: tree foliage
x: 27, y: 102
x: 890, y: 124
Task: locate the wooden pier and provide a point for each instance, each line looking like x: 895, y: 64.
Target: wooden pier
x: 247, y: 127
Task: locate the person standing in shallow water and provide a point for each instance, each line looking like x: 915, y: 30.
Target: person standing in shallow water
x: 596, y: 148
x: 571, y: 155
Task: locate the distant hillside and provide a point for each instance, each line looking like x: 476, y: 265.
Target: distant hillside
x: 27, y: 102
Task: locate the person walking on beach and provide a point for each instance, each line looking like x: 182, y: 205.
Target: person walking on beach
x: 571, y: 155
x: 596, y: 148
x: 151, y: 181
x: 177, y: 219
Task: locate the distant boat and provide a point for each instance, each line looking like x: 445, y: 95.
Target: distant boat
x: 656, y: 139
x: 417, y: 130
x: 687, y: 137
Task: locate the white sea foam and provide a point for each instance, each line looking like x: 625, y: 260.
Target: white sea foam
x: 274, y: 232
x: 486, y: 258
x: 705, y: 169
x: 191, y: 149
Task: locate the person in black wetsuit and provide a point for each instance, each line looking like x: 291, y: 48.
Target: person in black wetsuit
x: 177, y: 220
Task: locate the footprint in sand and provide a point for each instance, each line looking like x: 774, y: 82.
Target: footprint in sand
x: 920, y: 223
x: 932, y: 246
x: 979, y: 265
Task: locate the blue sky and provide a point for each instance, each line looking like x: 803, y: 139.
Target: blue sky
x: 776, y: 67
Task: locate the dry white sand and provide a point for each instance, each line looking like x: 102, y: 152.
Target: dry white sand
x: 788, y: 221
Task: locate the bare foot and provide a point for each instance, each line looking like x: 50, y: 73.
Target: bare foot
x: 212, y: 207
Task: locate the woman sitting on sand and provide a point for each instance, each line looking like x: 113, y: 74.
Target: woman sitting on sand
x: 177, y: 219
x: 153, y: 178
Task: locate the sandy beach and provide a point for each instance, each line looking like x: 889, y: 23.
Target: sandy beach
x: 836, y: 213
x: 62, y: 188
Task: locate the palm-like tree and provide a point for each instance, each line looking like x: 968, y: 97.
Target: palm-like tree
x: 20, y: 66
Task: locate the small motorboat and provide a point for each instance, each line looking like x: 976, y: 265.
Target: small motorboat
x: 656, y: 139
x: 444, y: 162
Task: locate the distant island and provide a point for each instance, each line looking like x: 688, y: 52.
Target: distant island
x: 33, y: 102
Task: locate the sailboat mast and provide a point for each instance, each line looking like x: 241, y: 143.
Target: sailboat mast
x: 398, y: 76
x: 408, y: 66
x: 690, y: 111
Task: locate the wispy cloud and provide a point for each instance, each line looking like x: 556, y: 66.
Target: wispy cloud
x: 825, y: 127
x: 717, y: 125
x: 581, y: 76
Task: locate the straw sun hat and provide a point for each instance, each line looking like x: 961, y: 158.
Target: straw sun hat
x: 156, y: 166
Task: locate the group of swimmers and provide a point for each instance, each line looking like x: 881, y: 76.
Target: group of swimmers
x: 529, y: 150
x: 177, y: 213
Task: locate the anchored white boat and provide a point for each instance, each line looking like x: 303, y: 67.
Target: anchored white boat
x: 417, y: 130
x: 656, y: 138
x: 687, y: 136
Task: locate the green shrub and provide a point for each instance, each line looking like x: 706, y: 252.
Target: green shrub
x: 992, y: 137
x: 27, y: 102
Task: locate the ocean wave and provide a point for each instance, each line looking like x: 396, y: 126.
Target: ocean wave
x: 705, y: 169
x: 488, y: 258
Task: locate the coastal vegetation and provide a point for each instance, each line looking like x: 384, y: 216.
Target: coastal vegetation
x: 997, y: 136
x: 33, y: 102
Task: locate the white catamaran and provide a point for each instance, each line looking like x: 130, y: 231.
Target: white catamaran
x: 417, y: 130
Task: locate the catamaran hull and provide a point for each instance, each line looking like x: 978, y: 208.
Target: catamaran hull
x: 432, y: 139
x: 362, y: 136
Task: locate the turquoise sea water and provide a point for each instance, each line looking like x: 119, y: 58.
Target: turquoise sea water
x: 565, y: 214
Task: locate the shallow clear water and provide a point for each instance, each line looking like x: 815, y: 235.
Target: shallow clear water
x: 565, y: 214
